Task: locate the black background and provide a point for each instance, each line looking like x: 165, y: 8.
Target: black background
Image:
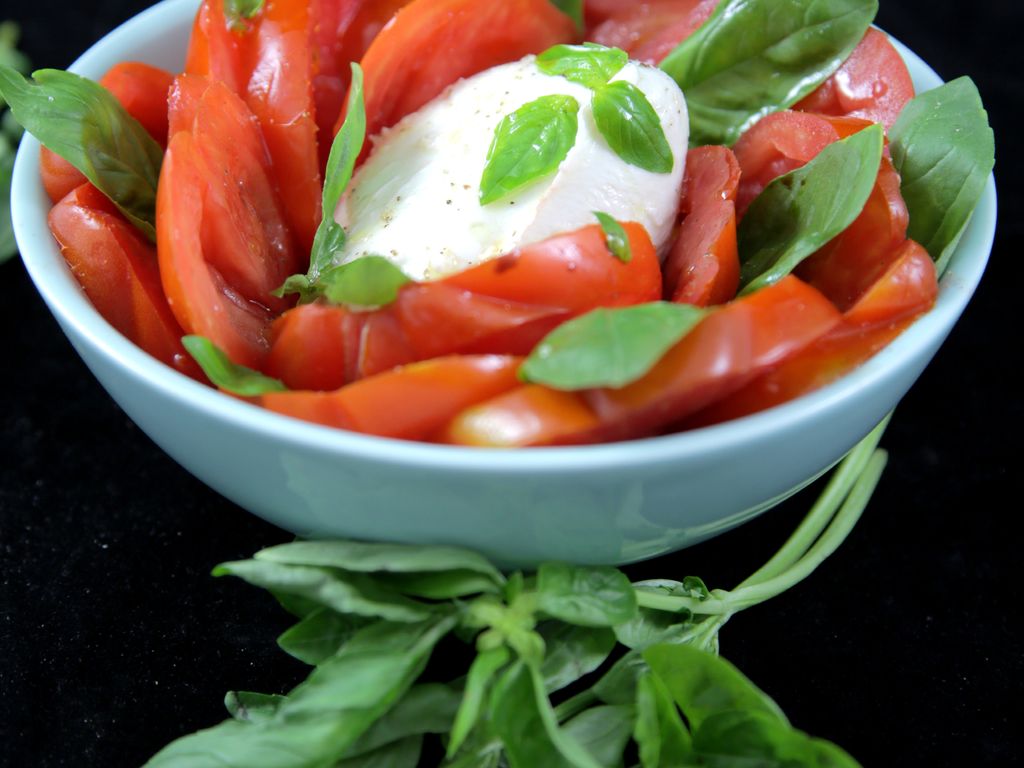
x: 904, y: 648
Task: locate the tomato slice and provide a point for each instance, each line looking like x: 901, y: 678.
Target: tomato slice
x: 906, y: 290
x: 268, y: 62
x: 873, y: 84
x: 142, y: 91
x: 851, y: 263
x: 117, y: 269
x: 504, y: 306
x: 780, y: 143
x: 223, y: 242
x: 727, y: 350
x: 648, y: 31
x: 342, y: 33
x: 410, y: 403
x: 430, y: 44
x: 703, y: 267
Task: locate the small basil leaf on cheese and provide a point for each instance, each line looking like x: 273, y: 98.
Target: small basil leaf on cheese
x: 590, y: 64
x: 225, y: 374
x: 616, y: 238
x: 528, y: 145
x: 571, y: 8
x: 944, y: 150
x: 366, y: 283
x: 82, y: 122
x: 330, y: 236
x: 238, y: 12
x: 631, y: 126
x: 609, y: 347
x: 800, y: 212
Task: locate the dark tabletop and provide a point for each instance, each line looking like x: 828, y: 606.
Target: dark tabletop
x: 904, y: 648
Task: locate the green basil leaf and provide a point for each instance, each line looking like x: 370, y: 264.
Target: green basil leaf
x: 616, y: 238
x: 619, y: 684
x: 404, y: 753
x: 800, y: 212
x: 528, y: 145
x: 571, y: 652
x: 603, y: 732
x: 320, y: 635
x: 573, y: 9
x: 755, y: 57
x: 609, y: 347
x: 944, y: 150
x: 651, y: 627
x: 366, y: 557
x: 238, y: 12
x: 659, y: 731
x: 522, y: 717
x: 741, y: 738
x: 10, y: 56
x: 8, y: 246
x: 225, y: 374
x: 597, y: 596
x: 443, y: 585
x: 346, y: 593
x: 703, y: 684
x: 427, y: 708
x: 82, y: 122
x: 631, y: 127
x: 590, y: 64
x: 253, y: 707
x: 483, y: 669
x: 369, y: 282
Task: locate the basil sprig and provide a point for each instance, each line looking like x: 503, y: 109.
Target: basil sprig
x: 591, y: 65
x: 754, y: 57
x: 616, y: 238
x: 631, y: 127
x: 800, y: 212
x: 225, y: 374
x: 609, y: 347
x: 369, y: 637
x: 944, y: 150
x: 82, y: 122
x: 528, y: 145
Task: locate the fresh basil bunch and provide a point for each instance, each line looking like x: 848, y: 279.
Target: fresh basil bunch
x: 10, y: 135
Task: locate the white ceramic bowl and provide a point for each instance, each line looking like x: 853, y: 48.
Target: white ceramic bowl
x: 597, y: 504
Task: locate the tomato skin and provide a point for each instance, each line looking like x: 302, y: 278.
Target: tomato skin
x: 268, y: 63
x: 59, y: 176
x: 852, y: 262
x: 403, y: 70
x: 703, y: 267
x: 410, y: 403
x: 117, y: 269
x: 504, y: 306
x: 648, y: 31
x: 732, y: 346
x: 873, y: 84
x: 904, y: 292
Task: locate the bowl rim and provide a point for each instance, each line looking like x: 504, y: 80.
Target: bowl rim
x: 74, y: 312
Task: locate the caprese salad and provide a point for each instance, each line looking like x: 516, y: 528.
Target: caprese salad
x: 532, y: 222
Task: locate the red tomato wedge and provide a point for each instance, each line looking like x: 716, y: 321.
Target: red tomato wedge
x: 873, y: 84
x: 780, y: 143
x: 727, y: 350
x: 342, y: 33
x: 410, y: 403
x: 703, y: 267
x: 851, y: 263
x: 223, y: 243
x: 504, y: 306
x: 117, y: 268
x: 648, y: 31
x: 906, y: 290
x: 268, y: 61
x: 142, y: 91
x: 430, y: 44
